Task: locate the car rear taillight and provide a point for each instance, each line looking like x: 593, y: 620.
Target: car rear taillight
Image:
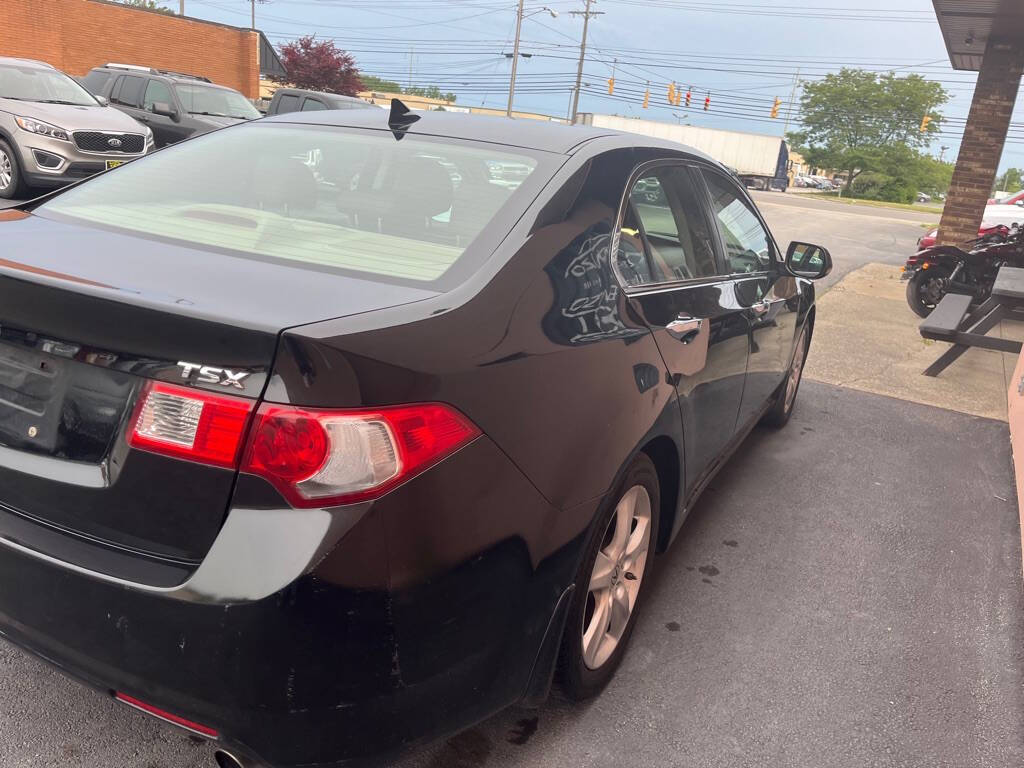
x: 319, y: 458
x: 190, y: 424
x: 313, y: 457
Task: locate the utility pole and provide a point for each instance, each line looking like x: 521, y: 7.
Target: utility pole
x: 942, y: 153
x: 515, y: 59
x: 792, y: 96
x: 181, y: 7
x: 410, y: 67
x: 253, y: 13
x: 586, y: 14
x: 515, y: 49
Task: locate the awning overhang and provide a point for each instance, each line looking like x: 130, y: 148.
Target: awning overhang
x: 968, y: 25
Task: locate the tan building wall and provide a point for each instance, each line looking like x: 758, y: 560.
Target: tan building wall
x: 77, y: 35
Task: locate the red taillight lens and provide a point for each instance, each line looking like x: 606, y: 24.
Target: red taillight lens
x: 319, y: 458
x: 189, y: 424
x: 155, y: 712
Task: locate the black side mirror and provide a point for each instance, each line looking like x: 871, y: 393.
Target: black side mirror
x: 165, y: 109
x: 808, y: 260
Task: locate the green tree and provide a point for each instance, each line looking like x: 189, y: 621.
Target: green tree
x: 1011, y: 181
x: 374, y: 83
x: 390, y: 86
x: 859, y: 121
x: 147, y: 5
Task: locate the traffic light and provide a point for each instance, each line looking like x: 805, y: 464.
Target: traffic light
x: 707, y: 102
x: 671, y: 93
x: 924, y: 123
x: 775, y: 107
x: 647, y: 97
x: 611, y: 85
x: 678, y: 98
x: 688, y: 95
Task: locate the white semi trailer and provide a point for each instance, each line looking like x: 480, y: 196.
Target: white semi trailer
x: 760, y: 161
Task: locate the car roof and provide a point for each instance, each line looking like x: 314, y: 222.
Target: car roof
x: 543, y: 135
x: 308, y: 92
x: 13, y: 60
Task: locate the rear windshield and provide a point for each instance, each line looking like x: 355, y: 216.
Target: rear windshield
x: 323, y: 196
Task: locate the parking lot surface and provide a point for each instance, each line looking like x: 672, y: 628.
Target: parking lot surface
x: 846, y: 593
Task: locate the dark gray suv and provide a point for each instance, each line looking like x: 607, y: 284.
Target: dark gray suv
x: 175, y: 106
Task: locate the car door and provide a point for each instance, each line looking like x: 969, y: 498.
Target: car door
x: 667, y: 258
x: 763, y: 287
x: 165, y: 129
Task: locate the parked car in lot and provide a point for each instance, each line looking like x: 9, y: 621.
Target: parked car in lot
x: 321, y: 465
x: 174, y: 105
x: 1009, y: 200
x: 53, y: 132
x: 299, y: 100
x: 929, y: 238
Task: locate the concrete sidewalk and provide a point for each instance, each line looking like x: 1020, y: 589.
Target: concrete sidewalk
x: 867, y: 338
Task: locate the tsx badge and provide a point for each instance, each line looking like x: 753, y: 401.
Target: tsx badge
x: 209, y: 374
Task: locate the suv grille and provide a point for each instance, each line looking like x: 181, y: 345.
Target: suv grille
x: 94, y: 141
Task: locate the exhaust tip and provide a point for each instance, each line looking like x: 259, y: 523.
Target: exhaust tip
x: 225, y: 759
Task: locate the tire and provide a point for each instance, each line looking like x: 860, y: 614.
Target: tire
x: 11, y: 182
x: 601, y: 621
x: 785, y: 399
x: 925, y: 289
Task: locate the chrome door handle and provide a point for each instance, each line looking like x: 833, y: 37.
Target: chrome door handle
x: 685, y: 328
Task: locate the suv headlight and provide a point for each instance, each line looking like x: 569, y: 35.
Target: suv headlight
x: 149, y: 136
x: 44, y: 129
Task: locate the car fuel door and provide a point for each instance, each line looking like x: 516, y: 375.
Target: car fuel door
x: 666, y: 257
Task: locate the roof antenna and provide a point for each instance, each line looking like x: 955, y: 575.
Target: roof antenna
x: 400, y: 119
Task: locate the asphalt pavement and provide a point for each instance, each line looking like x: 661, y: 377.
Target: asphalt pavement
x: 847, y: 593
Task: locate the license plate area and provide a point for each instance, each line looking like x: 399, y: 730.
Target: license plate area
x: 114, y: 163
x: 32, y: 389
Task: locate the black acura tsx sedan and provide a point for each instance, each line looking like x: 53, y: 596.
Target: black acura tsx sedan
x: 329, y: 434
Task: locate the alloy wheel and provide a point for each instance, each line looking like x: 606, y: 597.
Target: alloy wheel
x: 6, y: 170
x: 617, y: 576
x: 793, y: 383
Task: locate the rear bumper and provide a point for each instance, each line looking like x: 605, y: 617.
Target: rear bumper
x: 379, y: 637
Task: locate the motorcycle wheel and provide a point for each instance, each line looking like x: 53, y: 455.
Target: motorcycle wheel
x: 926, y: 289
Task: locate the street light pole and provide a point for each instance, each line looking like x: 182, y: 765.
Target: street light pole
x: 586, y: 13
x: 181, y: 7
x: 515, y: 59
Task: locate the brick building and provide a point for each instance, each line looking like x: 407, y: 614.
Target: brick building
x: 987, y: 38
x: 77, y: 35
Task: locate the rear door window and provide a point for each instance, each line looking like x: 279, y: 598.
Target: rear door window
x: 287, y: 103
x: 665, y: 235
x: 129, y: 91
x: 312, y: 105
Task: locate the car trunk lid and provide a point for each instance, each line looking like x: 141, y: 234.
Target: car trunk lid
x: 85, y: 322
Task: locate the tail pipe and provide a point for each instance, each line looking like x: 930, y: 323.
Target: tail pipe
x: 226, y: 759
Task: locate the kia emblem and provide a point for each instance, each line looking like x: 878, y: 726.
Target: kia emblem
x: 114, y: 142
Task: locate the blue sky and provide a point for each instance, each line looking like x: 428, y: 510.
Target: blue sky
x: 744, y: 53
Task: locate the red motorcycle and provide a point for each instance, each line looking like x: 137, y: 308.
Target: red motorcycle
x: 940, y: 269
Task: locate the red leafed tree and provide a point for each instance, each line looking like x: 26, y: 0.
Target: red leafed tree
x: 320, y: 66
